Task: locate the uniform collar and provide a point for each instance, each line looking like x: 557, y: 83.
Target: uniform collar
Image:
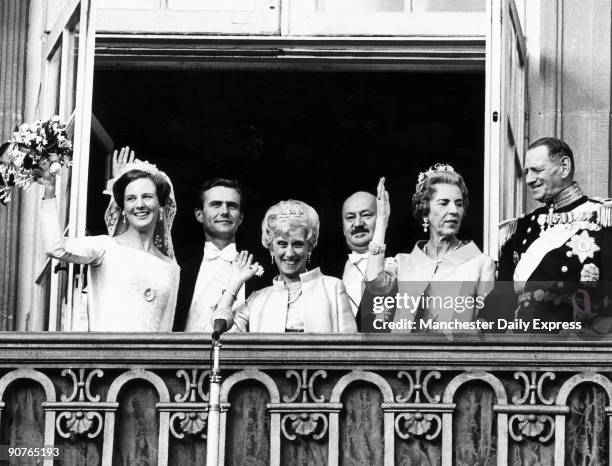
x: 565, y: 197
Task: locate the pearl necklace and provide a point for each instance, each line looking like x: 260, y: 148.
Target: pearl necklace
x: 295, y: 290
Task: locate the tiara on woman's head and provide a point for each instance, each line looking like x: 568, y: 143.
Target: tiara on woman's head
x: 141, y: 165
x: 438, y: 167
x: 146, y: 167
x: 289, y: 211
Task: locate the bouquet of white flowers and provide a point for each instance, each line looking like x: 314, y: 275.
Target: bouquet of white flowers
x: 43, y: 141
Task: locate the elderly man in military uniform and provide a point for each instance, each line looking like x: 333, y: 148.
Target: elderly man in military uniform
x: 557, y: 260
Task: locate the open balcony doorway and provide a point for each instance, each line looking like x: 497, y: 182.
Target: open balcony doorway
x: 312, y: 136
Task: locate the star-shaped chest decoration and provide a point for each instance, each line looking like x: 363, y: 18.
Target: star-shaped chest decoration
x: 583, y: 246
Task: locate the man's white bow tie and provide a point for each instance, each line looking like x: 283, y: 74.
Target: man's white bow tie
x: 227, y: 254
x: 356, y: 257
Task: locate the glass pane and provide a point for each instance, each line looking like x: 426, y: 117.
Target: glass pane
x: 71, y: 71
x: 54, y: 75
x: 448, y: 5
x: 398, y: 6
x: 54, y: 13
x: 63, y: 188
x: 213, y: 5
x: 69, y: 44
x: 130, y: 5
x: 362, y: 6
x: 204, y: 5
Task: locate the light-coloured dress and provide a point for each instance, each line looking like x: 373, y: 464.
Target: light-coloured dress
x: 463, y: 273
x: 322, y: 307
x: 129, y: 290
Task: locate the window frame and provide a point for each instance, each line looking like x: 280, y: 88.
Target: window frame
x: 302, y: 19
x: 263, y: 19
x: 67, y: 91
x: 440, y: 54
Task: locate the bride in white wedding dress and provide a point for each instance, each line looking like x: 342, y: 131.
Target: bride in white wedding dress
x: 133, y: 276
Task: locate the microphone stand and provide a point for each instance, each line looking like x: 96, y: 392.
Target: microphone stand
x: 214, y: 407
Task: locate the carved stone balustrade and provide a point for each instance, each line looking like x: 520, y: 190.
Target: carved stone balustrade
x: 310, y: 399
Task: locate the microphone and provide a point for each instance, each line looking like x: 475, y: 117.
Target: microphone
x: 219, y: 327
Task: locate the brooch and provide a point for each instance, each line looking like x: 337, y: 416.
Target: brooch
x: 149, y: 294
x: 583, y: 246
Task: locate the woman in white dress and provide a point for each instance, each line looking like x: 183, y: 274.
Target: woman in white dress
x: 133, y: 276
x: 448, y: 277
x: 298, y: 300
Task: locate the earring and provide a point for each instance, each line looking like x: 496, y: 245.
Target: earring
x: 425, y: 224
x: 161, y: 214
x: 123, y: 215
x: 308, y: 258
x: 271, y: 258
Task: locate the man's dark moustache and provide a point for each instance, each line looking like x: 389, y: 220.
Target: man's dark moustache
x: 359, y: 230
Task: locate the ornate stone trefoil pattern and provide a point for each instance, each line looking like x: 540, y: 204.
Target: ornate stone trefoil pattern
x: 305, y: 386
x: 304, y: 425
x: 78, y: 420
x: 416, y: 387
x: 532, y: 426
x: 417, y: 424
x: 418, y: 421
x: 192, y: 420
x: 305, y: 410
x: 534, y: 423
x: 194, y: 384
x: 79, y: 423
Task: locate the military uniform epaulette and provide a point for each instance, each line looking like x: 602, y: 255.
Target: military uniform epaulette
x: 604, y: 212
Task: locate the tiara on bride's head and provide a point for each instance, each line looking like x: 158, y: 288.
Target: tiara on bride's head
x: 438, y: 167
x: 146, y: 167
x: 141, y: 165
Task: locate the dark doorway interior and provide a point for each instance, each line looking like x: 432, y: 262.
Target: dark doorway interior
x: 314, y: 136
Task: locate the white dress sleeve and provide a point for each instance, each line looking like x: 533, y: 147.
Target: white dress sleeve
x: 86, y: 250
x: 167, y: 319
x: 241, y: 317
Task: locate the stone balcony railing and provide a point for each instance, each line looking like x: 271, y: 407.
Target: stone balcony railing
x: 309, y: 399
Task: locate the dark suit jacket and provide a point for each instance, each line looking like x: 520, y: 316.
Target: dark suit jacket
x: 190, y: 266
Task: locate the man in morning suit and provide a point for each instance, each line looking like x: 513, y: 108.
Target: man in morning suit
x: 219, y: 210
x: 358, y: 222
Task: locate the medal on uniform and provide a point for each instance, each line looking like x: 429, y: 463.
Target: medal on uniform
x: 589, y: 275
x: 583, y: 246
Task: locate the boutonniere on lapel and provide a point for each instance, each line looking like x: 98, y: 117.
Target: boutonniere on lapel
x: 589, y: 275
x: 583, y: 246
